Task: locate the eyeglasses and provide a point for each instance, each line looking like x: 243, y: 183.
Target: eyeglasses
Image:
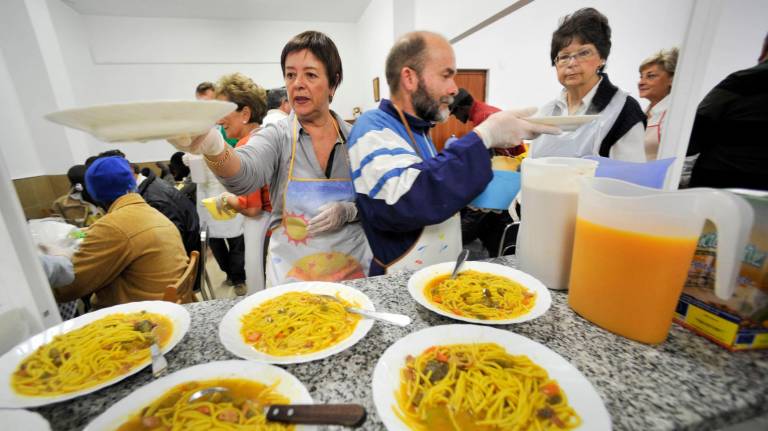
x: 564, y: 59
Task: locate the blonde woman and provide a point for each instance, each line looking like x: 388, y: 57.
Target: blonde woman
x: 242, y: 124
x: 656, y: 73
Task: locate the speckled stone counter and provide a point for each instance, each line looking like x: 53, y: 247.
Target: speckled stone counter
x: 686, y: 383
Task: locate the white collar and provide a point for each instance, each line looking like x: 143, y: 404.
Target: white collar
x: 660, y: 107
x: 562, y: 100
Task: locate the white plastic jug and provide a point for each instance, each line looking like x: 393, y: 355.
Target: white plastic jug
x: 633, y: 248
x: 549, y: 197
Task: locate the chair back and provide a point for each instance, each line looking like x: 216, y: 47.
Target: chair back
x: 182, y: 292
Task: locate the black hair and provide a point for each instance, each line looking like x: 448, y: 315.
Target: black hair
x: 177, y: 166
x: 275, y: 97
x: 204, y: 87
x: 587, y: 25
x: 462, y: 99
x: 110, y: 153
x: 322, y: 47
x: 76, y: 175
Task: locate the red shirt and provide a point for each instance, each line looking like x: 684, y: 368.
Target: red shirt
x: 478, y: 113
x: 257, y: 199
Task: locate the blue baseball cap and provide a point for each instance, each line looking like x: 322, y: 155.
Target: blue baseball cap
x: 108, y: 178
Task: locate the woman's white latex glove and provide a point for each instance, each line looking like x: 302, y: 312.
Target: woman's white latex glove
x: 506, y: 129
x: 332, y: 217
x: 210, y: 144
x: 224, y: 203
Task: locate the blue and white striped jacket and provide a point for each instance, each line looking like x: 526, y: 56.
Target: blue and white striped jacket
x: 401, y: 189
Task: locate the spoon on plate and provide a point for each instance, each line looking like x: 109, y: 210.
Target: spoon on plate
x: 350, y: 415
x: 159, y: 363
x: 459, y: 261
x: 395, y: 319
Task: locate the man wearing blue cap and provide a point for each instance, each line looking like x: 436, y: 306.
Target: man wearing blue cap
x: 132, y: 253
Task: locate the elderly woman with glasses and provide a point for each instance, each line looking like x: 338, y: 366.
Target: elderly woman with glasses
x: 316, y: 234
x: 656, y: 73
x: 580, y: 48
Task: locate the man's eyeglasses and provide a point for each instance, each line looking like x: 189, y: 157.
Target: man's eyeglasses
x: 564, y: 59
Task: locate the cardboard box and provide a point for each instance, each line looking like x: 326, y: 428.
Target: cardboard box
x: 740, y: 323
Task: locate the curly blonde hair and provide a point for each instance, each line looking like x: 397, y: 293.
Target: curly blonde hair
x: 241, y: 90
x: 666, y: 59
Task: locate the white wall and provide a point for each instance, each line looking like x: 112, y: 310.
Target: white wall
x: 738, y: 40
x: 26, y: 301
x: 162, y: 58
x: 56, y: 59
x: 375, y: 34
x: 515, y: 49
x: 30, y: 49
x: 453, y: 17
x: 17, y: 143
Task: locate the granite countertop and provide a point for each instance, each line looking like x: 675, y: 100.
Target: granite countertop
x: 685, y: 383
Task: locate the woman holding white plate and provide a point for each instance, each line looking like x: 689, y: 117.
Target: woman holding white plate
x: 580, y: 48
x: 316, y: 234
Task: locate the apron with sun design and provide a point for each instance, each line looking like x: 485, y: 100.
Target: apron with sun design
x: 294, y: 255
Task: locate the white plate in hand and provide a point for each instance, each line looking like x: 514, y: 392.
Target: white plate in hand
x: 145, y: 121
x: 566, y: 123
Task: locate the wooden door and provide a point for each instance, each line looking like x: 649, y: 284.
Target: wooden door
x: 474, y: 82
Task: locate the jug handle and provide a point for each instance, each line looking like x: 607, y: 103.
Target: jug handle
x: 733, y: 217
x: 513, y: 205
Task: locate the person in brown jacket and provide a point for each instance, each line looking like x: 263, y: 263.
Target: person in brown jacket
x: 132, y: 253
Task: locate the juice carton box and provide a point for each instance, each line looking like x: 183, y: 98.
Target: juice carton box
x: 740, y: 323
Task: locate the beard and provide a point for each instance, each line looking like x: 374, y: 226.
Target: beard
x: 427, y: 107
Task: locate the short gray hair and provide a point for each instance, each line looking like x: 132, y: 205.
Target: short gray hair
x: 666, y: 59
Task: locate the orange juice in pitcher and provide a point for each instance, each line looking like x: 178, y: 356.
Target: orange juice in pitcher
x: 633, y: 247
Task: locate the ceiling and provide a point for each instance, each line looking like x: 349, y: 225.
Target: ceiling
x: 272, y: 10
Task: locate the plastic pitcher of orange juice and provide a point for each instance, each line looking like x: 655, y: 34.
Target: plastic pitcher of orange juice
x: 633, y: 247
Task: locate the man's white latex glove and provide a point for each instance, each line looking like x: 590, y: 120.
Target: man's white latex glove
x: 506, y: 129
x: 332, y: 217
x: 210, y: 144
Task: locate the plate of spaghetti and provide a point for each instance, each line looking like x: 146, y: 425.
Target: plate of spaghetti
x: 482, y: 292
x: 472, y: 377
x: 164, y: 403
x: 88, y: 353
x: 296, y: 322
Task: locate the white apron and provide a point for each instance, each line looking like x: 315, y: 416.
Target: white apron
x: 208, y: 186
x: 584, y: 141
x: 330, y: 256
x: 255, y: 231
x: 437, y: 243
